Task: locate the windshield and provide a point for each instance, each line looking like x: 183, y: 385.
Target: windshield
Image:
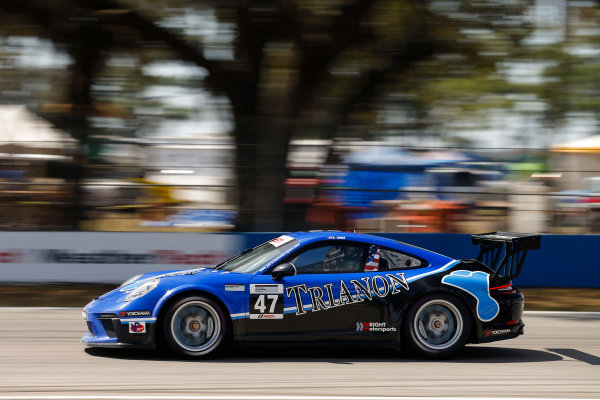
x: 250, y: 261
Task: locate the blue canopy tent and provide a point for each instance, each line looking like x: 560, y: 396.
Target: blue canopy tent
x: 381, y: 174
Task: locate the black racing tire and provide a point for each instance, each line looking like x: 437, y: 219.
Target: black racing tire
x: 195, y: 327
x: 436, y: 326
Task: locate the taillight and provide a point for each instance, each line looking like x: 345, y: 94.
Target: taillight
x: 504, y: 289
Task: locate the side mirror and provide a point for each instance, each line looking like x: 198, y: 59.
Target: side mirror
x: 283, y: 270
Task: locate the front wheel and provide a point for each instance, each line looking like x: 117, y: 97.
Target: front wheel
x: 437, y: 326
x: 194, y: 326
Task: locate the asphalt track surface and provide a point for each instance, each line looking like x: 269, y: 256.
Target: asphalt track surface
x: 41, y: 355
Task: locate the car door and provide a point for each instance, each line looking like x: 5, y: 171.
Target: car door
x: 337, y: 292
x: 320, y: 301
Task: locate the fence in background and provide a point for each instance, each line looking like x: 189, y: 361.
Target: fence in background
x: 109, y: 257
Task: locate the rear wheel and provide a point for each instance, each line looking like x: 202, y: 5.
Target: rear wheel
x: 437, y: 326
x: 194, y: 326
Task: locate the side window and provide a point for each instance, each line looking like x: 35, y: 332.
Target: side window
x: 329, y: 259
x: 382, y: 259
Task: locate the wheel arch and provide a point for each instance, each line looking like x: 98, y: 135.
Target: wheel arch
x: 447, y: 292
x: 165, y: 303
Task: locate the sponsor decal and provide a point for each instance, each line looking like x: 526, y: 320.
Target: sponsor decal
x: 281, y: 240
x: 336, y: 237
x: 267, y: 316
x: 234, y: 287
x: 374, y: 327
x: 500, y: 331
x: 266, y: 301
x: 282, y: 255
x: 137, y: 327
x: 335, y: 298
x: 11, y: 256
x: 324, y: 298
x: 476, y: 283
x: 128, y: 314
x: 140, y: 282
x: 265, y: 288
x: 181, y: 273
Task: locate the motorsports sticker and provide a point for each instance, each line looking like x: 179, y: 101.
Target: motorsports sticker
x: 374, y: 327
x: 137, y: 327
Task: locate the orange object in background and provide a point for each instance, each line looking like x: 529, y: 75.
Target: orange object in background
x: 423, y: 216
x: 327, y: 215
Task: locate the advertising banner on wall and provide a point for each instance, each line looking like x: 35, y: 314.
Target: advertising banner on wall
x: 107, y: 257
x: 112, y: 257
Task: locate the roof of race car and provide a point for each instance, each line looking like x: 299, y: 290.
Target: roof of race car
x: 313, y: 236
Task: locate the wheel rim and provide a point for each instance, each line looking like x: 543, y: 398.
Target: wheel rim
x: 438, y: 324
x: 196, y: 326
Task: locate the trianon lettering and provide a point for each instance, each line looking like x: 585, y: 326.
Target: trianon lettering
x: 324, y: 298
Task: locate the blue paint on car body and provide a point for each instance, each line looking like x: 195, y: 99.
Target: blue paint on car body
x: 317, y: 305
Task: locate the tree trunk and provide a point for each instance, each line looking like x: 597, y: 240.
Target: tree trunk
x: 87, y: 58
x: 261, y: 153
x: 271, y: 175
x: 245, y: 139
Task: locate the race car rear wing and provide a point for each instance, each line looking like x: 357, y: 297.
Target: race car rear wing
x: 513, y: 248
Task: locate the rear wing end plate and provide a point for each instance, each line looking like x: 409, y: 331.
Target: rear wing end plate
x: 504, y: 252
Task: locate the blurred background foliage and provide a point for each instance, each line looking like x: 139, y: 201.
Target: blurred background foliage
x: 221, y: 115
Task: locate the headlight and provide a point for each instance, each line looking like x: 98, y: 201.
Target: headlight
x: 128, y: 281
x: 84, y: 315
x: 142, y: 290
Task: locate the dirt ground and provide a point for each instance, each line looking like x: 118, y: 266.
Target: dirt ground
x: 561, y: 299
x: 51, y: 295
x: 71, y: 295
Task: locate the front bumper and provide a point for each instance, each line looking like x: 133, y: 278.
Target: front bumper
x: 107, y: 329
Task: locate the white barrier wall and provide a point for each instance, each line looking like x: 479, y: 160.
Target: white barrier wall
x: 107, y: 257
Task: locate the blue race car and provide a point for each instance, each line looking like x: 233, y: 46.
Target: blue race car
x: 322, y: 286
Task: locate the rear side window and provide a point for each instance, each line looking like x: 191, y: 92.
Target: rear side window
x: 382, y: 259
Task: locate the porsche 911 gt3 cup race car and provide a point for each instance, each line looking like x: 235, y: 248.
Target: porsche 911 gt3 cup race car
x: 323, y: 286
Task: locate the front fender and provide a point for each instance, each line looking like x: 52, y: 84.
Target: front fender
x: 230, y: 307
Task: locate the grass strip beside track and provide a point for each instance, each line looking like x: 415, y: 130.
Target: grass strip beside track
x: 51, y: 295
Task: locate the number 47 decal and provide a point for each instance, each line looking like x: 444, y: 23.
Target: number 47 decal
x: 266, y: 301
x: 260, y: 303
